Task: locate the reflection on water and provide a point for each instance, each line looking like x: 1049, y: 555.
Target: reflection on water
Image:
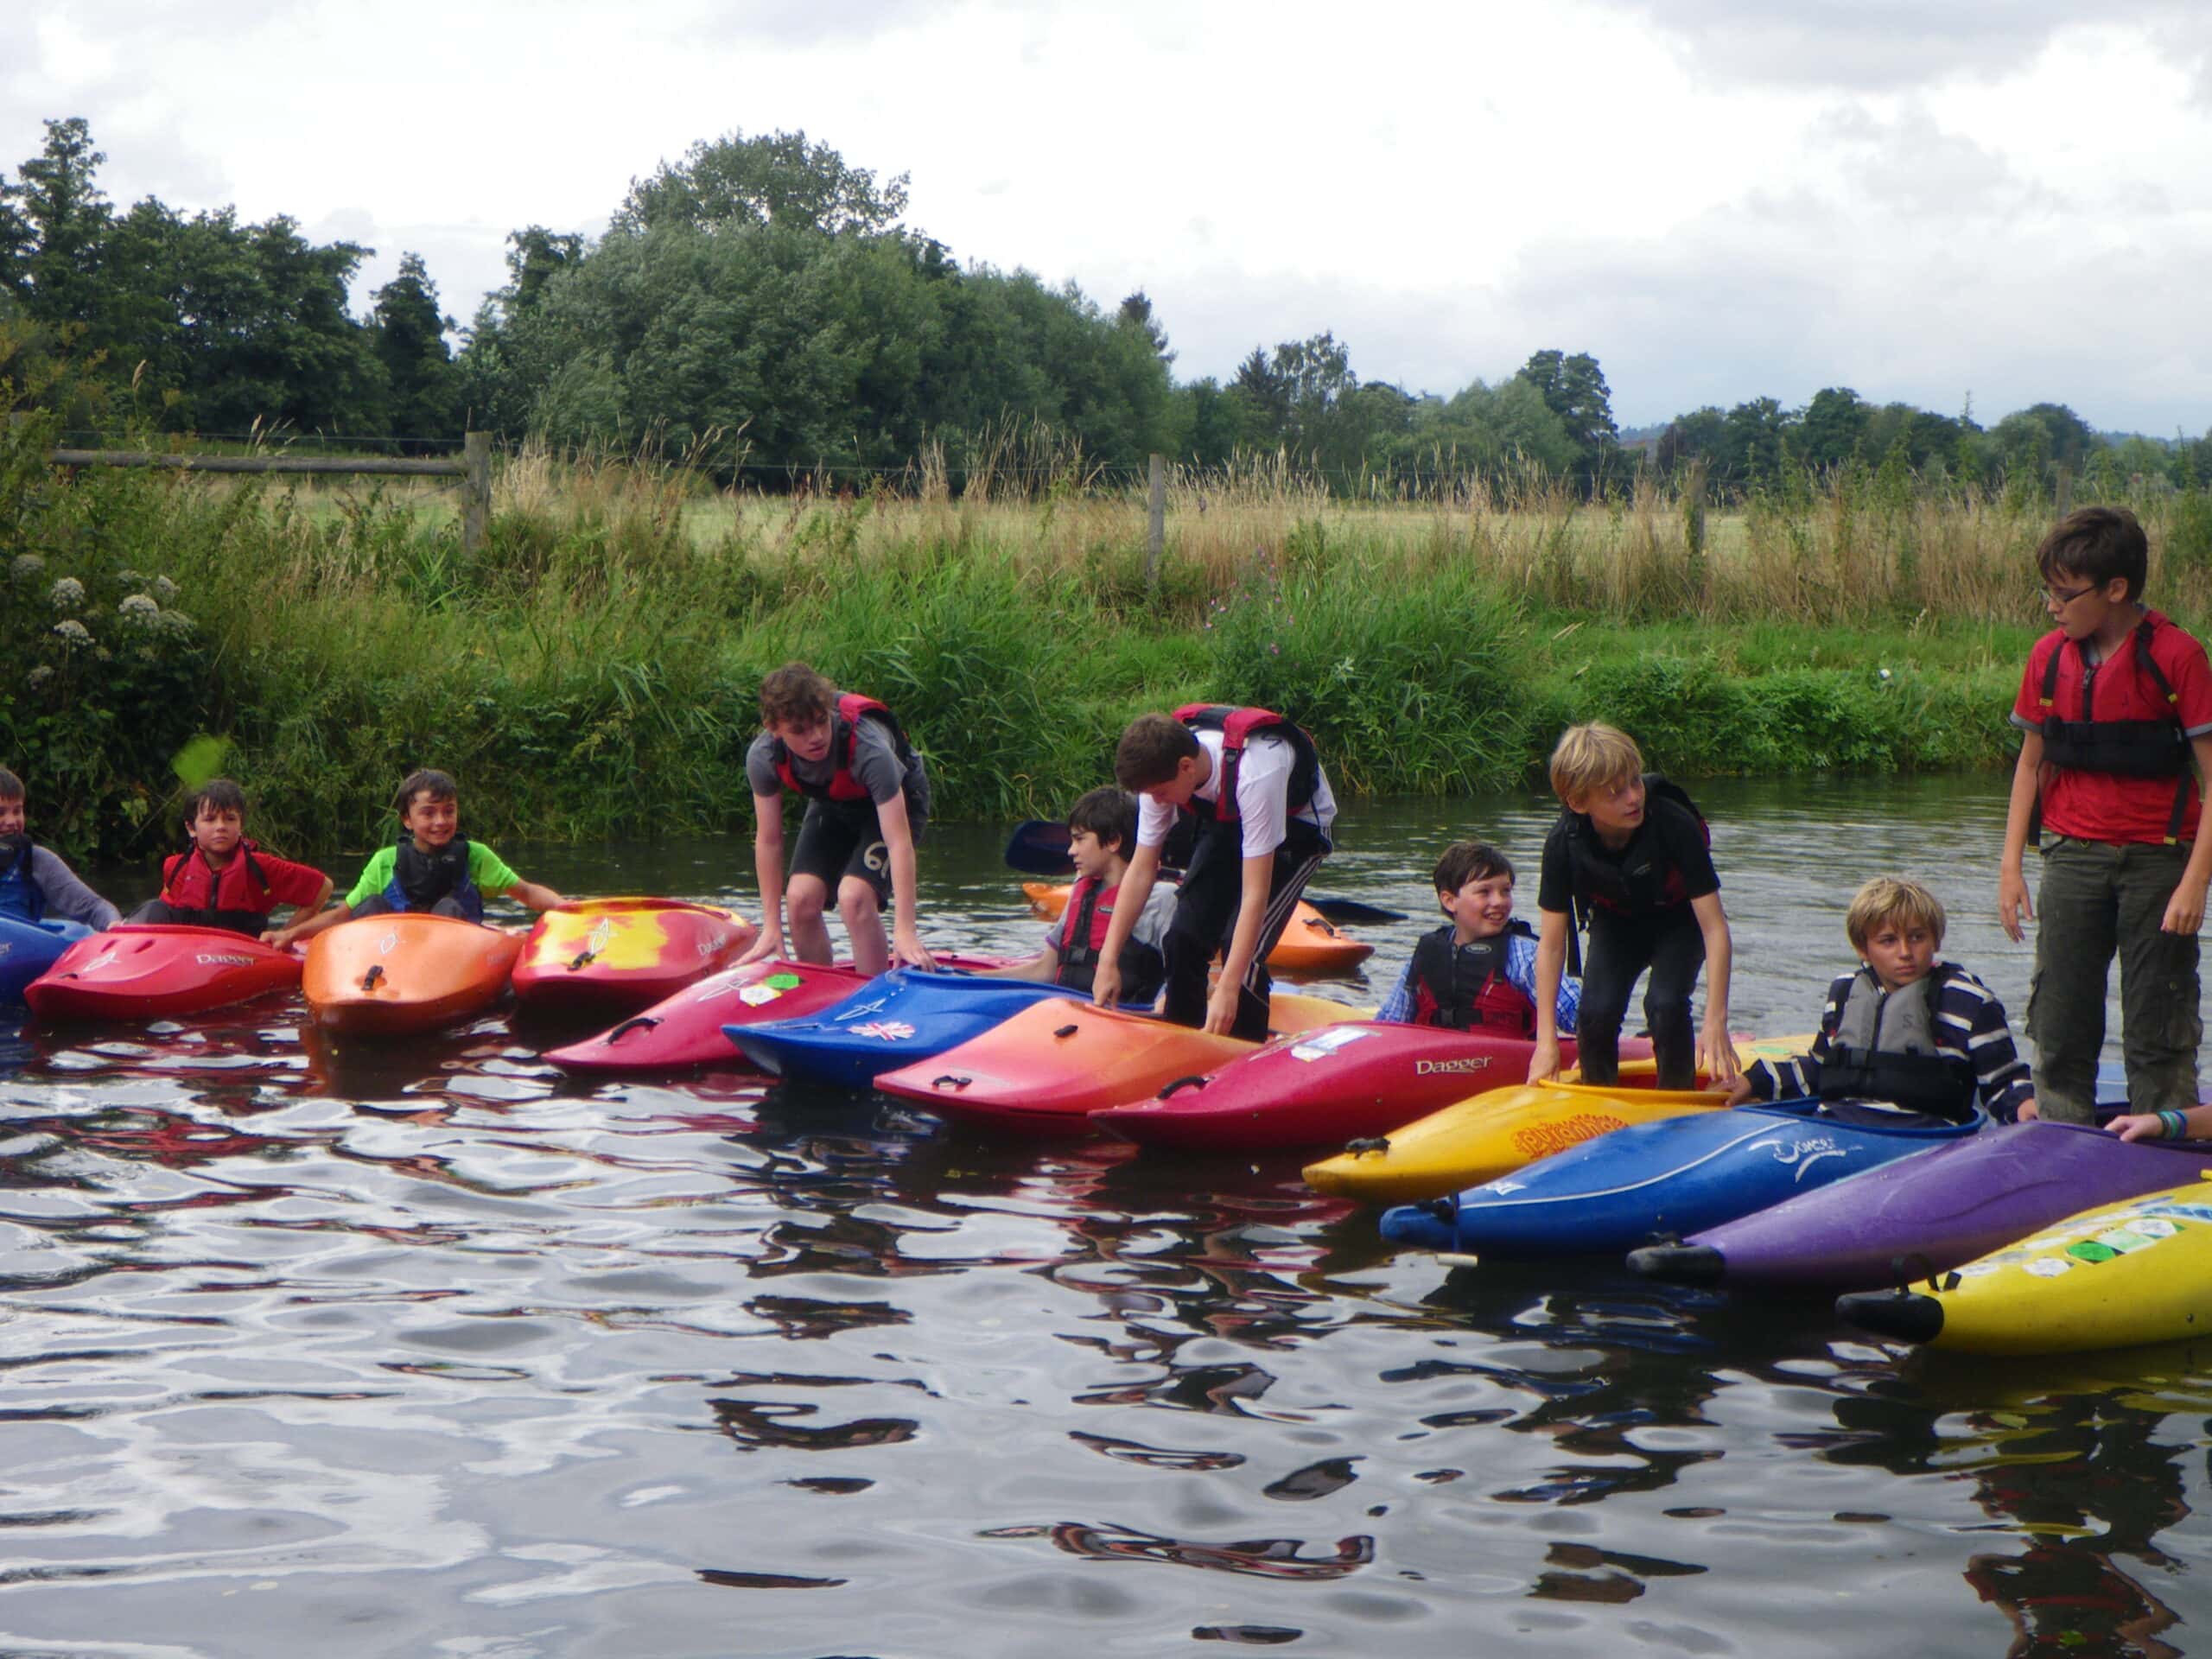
x: 421, y: 1349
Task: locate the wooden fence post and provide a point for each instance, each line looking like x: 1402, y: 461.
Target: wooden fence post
x: 1156, y: 527
x: 475, y: 490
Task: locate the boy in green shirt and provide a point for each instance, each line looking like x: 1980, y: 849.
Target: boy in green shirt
x: 432, y: 866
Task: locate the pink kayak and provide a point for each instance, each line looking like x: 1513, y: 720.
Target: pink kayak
x: 615, y: 955
x: 156, y: 971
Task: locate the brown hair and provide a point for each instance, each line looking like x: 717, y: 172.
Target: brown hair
x: 1151, y: 748
x: 1591, y: 756
x: 425, y: 780
x: 795, y: 695
x: 11, y: 787
x: 1886, y: 898
x: 1470, y: 860
x: 2096, y: 544
x: 1108, y: 813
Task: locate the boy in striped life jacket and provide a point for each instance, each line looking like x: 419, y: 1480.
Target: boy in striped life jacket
x: 34, y: 883
x: 1478, y: 970
x: 1102, y: 833
x: 223, y: 879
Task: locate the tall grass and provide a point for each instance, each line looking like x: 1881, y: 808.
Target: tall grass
x: 591, y: 668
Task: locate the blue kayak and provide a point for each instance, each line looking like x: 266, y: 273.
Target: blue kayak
x: 29, y: 948
x: 894, y: 1020
x: 1675, y: 1177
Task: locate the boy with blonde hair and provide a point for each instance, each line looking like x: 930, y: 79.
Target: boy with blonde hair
x: 1630, y: 855
x: 1906, y: 1028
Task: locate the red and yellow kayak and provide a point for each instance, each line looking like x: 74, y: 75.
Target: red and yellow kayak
x: 411, y: 972
x: 157, y: 971
x: 1045, y: 1071
x: 613, y: 956
x: 1311, y: 945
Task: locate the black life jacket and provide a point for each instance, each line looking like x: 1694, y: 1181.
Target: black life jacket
x: 1082, y: 931
x: 1646, y: 881
x: 419, y: 880
x: 192, y: 889
x: 1885, y: 1048
x: 842, y: 786
x: 19, y: 894
x: 1238, y: 727
x: 2157, y: 747
x: 1463, y: 987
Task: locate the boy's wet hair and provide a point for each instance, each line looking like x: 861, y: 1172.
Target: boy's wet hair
x: 425, y: 780
x: 2095, y: 544
x: 11, y: 787
x: 795, y: 695
x: 1108, y: 813
x: 218, y: 792
x: 1592, y: 757
x: 1886, y: 898
x: 1470, y: 860
x: 1150, y: 749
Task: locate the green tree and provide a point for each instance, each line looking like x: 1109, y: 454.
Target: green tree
x: 1832, y: 427
x: 1574, y: 389
x: 411, y: 344
x: 57, y: 218
x: 778, y: 179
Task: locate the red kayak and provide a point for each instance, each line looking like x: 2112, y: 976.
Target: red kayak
x: 685, y: 1030
x: 1045, y: 1071
x: 410, y: 972
x: 614, y: 954
x: 155, y: 971
x: 1329, y: 1085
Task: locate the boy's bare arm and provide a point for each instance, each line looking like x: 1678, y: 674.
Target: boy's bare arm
x: 1551, y: 965
x: 899, y: 847
x: 2185, y: 910
x: 530, y: 896
x: 2012, y: 901
x: 768, y: 870
x: 302, y: 914
x: 1129, y: 904
x: 1716, y: 1053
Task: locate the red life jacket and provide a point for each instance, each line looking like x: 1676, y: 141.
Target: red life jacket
x: 2144, y: 739
x: 843, y: 786
x: 1083, y: 925
x: 236, y: 897
x: 1237, y: 726
x: 1461, y: 987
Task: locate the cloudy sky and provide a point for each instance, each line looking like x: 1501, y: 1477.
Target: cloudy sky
x: 1719, y: 199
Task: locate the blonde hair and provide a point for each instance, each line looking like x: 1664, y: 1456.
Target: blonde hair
x: 1885, y: 899
x: 1590, y: 757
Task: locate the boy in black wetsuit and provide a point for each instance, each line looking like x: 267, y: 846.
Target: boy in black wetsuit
x: 1629, y: 853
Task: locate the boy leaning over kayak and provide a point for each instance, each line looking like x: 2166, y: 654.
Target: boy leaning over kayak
x: 223, y: 879
x: 34, y: 883
x: 1479, y: 969
x: 1263, y: 810
x: 1907, y: 1028
x: 1102, y: 834
x: 432, y: 866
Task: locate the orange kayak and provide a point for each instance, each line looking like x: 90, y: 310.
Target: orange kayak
x: 1311, y: 945
x: 411, y: 972
x: 1046, y: 1069
x: 615, y: 955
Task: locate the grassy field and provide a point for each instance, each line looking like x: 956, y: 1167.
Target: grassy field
x: 590, y: 670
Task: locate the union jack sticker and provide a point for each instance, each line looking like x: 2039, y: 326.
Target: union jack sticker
x: 888, y: 1031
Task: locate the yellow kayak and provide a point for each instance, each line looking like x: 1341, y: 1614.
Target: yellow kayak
x: 2120, y: 1276
x: 1495, y: 1133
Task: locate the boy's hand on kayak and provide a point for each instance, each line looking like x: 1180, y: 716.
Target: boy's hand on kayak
x: 763, y: 946
x: 1716, y: 1055
x: 1543, y: 1063
x: 909, y: 950
x: 1739, y: 1092
x: 2029, y: 1111
x: 1106, y: 985
x: 2142, y: 1126
x: 1221, y: 1007
x: 2012, y: 903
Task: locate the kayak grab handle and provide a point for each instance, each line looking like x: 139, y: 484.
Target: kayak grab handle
x: 1367, y: 1143
x: 1067, y: 1031
x: 1196, y: 1080
x: 635, y: 1022
x: 582, y: 959
x: 952, y: 1077
x: 369, y: 980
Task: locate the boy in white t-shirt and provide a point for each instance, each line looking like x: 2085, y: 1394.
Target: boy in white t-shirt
x: 1254, y: 786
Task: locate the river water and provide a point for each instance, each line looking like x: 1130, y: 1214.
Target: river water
x: 428, y: 1352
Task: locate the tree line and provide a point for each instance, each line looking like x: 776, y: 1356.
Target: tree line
x: 761, y: 303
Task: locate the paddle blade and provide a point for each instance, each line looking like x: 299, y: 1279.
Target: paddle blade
x: 1039, y: 846
x: 1351, y: 910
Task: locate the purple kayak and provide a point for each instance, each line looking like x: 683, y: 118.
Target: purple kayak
x: 1920, y: 1216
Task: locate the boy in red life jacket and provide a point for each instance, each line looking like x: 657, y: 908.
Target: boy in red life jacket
x: 2115, y: 707
x: 1102, y: 833
x: 1630, y: 852
x: 34, y: 883
x: 1263, y: 811
x: 225, y: 880
x: 1479, y: 969
x: 868, y: 802
x: 431, y: 868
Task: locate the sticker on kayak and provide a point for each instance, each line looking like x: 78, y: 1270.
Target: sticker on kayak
x: 2048, y: 1267
x: 889, y: 1031
x: 759, y: 996
x: 2153, y: 1227
x: 210, y: 959
x: 1324, y: 1043
x: 2179, y: 1211
x: 2090, y: 1249
x: 1450, y: 1068
x: 1802, y: 1151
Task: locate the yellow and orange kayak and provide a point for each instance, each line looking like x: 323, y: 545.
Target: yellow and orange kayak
x: 615, y: 955
x: 1309, y: 945
x: 410, y: 972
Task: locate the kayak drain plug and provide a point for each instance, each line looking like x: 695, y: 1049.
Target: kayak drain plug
x: 581, y: 959
x: 369, y: 980
x: 1367, y: 1143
